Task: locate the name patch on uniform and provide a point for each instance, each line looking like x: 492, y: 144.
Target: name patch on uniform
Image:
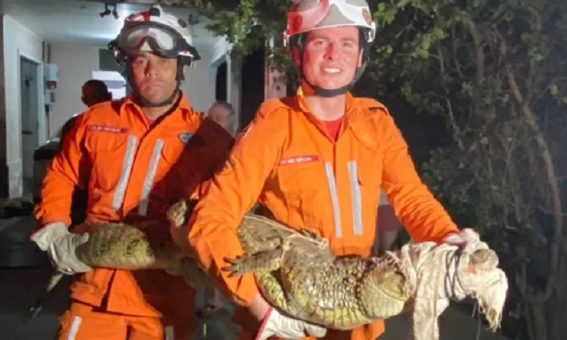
x: 185, y: 136
x: 299, y: 159
x: 106, y: 128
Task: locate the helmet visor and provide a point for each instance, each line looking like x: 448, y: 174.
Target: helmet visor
x: 310, y: 14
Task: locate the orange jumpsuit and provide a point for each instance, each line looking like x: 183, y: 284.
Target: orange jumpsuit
x: 287, y: 162
x: 132, y: 172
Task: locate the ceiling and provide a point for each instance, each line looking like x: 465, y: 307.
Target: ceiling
x: 79, y: 21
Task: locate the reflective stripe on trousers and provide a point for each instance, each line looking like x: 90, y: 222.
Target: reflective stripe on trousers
x: 74, y: 327
x: 169, y: 331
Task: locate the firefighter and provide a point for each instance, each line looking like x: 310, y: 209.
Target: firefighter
x: 316, y: 160
x: 135, y: 157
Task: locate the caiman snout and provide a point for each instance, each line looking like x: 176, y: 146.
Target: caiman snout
x: 484, y: 259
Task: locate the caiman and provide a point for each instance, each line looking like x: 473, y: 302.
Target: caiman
x: 297, y: 272
x: 125, y: 246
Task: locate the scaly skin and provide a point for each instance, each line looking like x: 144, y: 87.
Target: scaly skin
x: 298, y: 273
x: 119, y: 245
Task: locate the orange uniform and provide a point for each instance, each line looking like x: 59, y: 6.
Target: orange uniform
x: 133, y: 172
x: 287, y: 162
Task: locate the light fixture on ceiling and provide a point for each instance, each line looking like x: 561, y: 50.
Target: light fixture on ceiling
x: 107, y: 11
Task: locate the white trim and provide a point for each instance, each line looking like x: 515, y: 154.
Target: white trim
x: 74, y: 327
x: 126, y: 171
x: 334, y: 199
x: 169, y: 333
x: 356, y: 197
x: 149, y: 181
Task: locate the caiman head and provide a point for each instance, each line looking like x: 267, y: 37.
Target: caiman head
x: 481, y: 279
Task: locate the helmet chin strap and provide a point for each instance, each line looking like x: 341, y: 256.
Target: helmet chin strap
x: 169, y: 101
x: 327, y: 93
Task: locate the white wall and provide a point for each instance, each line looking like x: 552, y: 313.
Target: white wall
x: 218, y: 50
x: 17, y: 41
x: 201, y: 80
x: 75, y: 65
x: 199, y: 84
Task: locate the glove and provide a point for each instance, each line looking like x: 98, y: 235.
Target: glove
x: 60, y: 244
x: 276, y: 324
x: 462, y: 238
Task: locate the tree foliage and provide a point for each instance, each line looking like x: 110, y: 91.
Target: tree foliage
x: 496, y: 73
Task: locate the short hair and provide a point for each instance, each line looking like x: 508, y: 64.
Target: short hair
x: 99, y: 87
x: 225, y: 105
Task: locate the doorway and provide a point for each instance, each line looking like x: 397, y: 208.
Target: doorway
x: 220, y: 83
x: 30, y: 82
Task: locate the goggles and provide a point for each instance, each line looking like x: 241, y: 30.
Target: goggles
x: 155, y: 37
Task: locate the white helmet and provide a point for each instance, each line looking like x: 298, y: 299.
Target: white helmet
x: 155, y: 31
x: 309, y: 15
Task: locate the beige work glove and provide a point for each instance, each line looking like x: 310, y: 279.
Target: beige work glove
x: 60, y: 244
x: 276, y: 324
x: 462, y: 238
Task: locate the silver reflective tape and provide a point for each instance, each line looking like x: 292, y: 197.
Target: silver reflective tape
x: 356, y: 198
x: 169, y: 333
x: 334, y: 199
x: 74, y: 327
x: 126, y: 171
x: 149, y: 181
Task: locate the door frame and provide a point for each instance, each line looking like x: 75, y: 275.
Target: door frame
x: 41, y: 128
x: 41, y: 119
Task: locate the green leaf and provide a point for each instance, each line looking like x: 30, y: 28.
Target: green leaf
x: 554, y: 89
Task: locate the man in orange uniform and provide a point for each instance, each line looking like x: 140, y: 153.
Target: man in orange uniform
x: 316, y: 160
x: 136, y: 157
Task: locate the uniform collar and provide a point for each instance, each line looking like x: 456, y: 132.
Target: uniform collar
x: 304, y: 105
x: 353, y: 111
x: 357, y: 112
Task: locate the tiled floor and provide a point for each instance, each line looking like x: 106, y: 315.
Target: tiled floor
x: 20, y: 286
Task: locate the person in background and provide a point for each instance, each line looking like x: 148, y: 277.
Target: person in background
x: 222, y: 113
x: 93, y: 92
x: 135, y: 157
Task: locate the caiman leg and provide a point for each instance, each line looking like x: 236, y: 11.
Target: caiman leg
x: 310, y: 234
x: 265, y: 261
x: 177, y: 214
